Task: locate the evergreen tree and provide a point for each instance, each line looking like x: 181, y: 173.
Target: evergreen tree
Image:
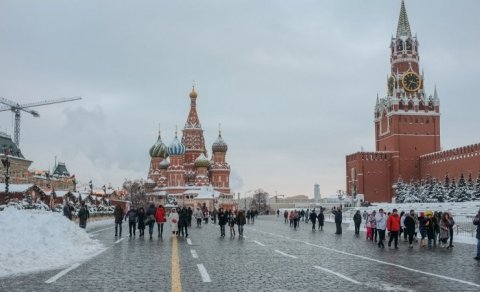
x: 438, y: 192
x: 461, y: 193
x: 470, y: 188
x: 400, y: 191
x: 450, y: 191
x: 477, y: 188
x: 412, y: 193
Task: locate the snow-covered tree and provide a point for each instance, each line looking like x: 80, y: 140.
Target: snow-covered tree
x: 450, y: 191
x: 412, y: 194
x: 438, y: 193
x: 400, y: 191
x: 477, y: 188
x: 461, y: 192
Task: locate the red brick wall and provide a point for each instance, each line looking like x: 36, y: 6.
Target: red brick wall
x: 456, y: 161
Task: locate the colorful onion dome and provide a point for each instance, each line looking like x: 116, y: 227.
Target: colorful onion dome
x: 176, y: 147
x: 219, y: 145
x: 202, y: 161
x: 159, y: 149
x: 164, y: 164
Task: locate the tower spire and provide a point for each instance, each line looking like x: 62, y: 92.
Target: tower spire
x: 403, y: 28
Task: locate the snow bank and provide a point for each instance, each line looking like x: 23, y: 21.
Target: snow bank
x: 34, y: 240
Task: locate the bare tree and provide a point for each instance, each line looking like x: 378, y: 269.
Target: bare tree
x: 259, y: 201
x: 135, y: 192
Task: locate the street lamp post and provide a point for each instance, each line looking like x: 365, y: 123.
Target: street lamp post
x: 6, y: 164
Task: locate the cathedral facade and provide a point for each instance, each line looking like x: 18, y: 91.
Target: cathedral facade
x: 182, y: 170
x: 407, y: 130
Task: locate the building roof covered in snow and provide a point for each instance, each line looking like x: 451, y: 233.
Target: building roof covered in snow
x: 6, y: 144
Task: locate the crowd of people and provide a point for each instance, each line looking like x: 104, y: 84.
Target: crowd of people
x: 294, y: 217
x: 180, y: 219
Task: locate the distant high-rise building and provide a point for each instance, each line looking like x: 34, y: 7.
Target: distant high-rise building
x: 316, y: 193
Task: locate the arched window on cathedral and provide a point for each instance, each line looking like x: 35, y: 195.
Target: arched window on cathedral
x: 399, y: 45
x: 421, y: 106
x: 409, y: 45
x: 410, y: 105
x: 401, y: 106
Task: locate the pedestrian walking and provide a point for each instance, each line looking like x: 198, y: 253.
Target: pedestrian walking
x: 436, y: 227
x: 313, y: 218
x: 222, y: 221
x: 338, y: 220
x: 422, y: 228
x: 357, y: 220
x: 296, y: 219
x: 292, y: 217
x: 409, y: 229
x: 278, y: 212
x: 403, y: 216
x: 183, y: 222
x: 371, y: 225
x: 67, y: 212
x: 206, y: 215
x: 141, y: 221
x: 253, y: 214
x: 380, y: 225
x: 450, y: 229
x: 190, y: 214
x: 118, y: 214
x: 199, y: 216
x: 307, y: 215
x: 476, y: 222
x: 150, y: 221
x: 393, y: 226
x: 132, y: 221
x: 241, y: 221
x: 321, y: 219
x: 83, y: 215
x: 248, y: 214
x: 444, y: 229
x: 231, y: 222
x: 430, y: 226
x: 285, y: 216
x: 160, y: 219
x: 173, y: 219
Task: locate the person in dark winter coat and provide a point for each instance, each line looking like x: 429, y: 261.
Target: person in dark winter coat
x: 231, y: 219
x: 118, y: 214
x: 430, y: 226
x: 141, y: 217
x: 321, y: 220
x: 190, y: 214
x: 222, y: 221
x: 151, y: 219
x: 313, y: 218
x: 476, y: 222
x: 409, y: 224
x: 241, y: 220
x: 183, y: 222
x: 357, y: 220
x: 67, y: 212
x: 338, y: 220
x: 285, y: 216
x: 452, y: 223
x: 83, y: 215
x: 132, y: 220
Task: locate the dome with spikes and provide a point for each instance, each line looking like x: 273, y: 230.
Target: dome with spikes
x: 176, y: 147
x: 159, y: 149
x: 202, y: 161
x: 219, y: 145
x: 164, y: 164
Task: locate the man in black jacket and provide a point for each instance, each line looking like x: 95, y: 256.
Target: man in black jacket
x: 476, y: 222
x: 410, y: 227
x: 357, y: 220
x: 118, y: 213
x: 222, y: 221
x: 313, y: 218
x: 338, y: 220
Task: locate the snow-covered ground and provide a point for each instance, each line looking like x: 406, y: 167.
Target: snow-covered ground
x: 34, y: 240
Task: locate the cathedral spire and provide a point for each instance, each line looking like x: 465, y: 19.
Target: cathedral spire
x: 403, y: 28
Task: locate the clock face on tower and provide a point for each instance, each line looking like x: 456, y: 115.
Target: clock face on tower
x: 411, y: 81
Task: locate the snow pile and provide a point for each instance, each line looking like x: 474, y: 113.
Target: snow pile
x: 34, y: 240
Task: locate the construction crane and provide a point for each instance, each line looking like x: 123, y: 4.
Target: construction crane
x: 17, y: 108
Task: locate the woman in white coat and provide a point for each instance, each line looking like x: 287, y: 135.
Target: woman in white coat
x: 173, y: 219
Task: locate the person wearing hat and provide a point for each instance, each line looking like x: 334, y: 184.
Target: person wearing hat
x: 393, y: 226
x: 422, y: 220
x: 429, y: 224
x: 476, y: 222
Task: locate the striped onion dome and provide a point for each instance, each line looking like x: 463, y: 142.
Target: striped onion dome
x: 202, y: 161
x: 159, y: 149
x: 219, y: 145
x: 176, y: 147
x: 164, y: 164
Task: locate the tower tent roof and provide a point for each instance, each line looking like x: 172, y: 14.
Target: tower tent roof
x: 403, y: 28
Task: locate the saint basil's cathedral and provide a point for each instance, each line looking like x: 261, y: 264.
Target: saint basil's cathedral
x: 407, y: 130
x: 181, y: 172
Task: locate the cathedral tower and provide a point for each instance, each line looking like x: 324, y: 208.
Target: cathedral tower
x: 219, y: 168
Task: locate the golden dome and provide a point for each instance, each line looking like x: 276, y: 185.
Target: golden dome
x: 193, y: 93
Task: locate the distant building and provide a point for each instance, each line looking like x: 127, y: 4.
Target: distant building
x: 316, y: 193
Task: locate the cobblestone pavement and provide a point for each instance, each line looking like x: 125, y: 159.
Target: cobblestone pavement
x: 271, y: 257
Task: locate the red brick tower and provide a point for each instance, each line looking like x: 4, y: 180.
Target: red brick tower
x: 407, y: 121
x: 192, y: 139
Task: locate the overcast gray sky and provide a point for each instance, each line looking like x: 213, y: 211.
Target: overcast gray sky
x: 293, y: 83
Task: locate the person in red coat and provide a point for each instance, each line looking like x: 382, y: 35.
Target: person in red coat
x: 393, y: 226
x: 160, y: 218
